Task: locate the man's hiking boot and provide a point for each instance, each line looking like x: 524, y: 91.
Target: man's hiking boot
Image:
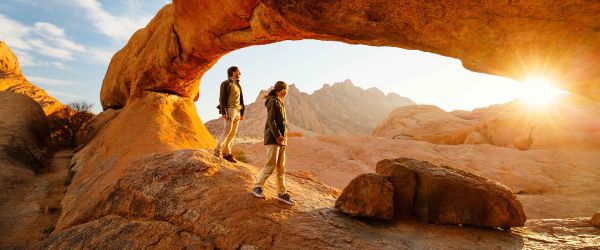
x: 258, y: 192
x: 286, y: 199
x: 229, y: 158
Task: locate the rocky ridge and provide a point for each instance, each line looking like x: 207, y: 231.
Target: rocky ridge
x: 569, y: 122
x: 13, y: 80
x: 341, y: 108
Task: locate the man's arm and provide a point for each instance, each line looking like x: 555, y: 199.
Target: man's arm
x: 242, y: 101
x: 223, y: 98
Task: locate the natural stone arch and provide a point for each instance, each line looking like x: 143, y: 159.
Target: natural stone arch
x: 152, y: 82
x: 560, y: 39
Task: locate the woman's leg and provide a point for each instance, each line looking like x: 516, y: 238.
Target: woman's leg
x: 267, y: 170
x: 281, y: 171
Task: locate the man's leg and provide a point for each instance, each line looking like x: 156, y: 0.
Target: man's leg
x: 234, y: 119
x: 281, y: 171
x: 226, y: 128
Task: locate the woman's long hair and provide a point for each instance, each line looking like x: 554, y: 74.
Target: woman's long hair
x: 279, y: 85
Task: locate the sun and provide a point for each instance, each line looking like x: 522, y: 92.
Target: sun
x: 538, y: 92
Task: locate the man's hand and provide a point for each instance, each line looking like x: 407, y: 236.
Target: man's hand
x: 280, y: 140
x: 241, y: 117
x: 225, y: 116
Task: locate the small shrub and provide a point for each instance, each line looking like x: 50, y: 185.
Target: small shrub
x: 66, y: 122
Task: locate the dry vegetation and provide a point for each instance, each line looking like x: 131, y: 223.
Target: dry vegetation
x: 66, y: 122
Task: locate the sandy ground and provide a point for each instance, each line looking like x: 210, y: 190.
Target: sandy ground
x: 549, y: 183
x: 31, y: 208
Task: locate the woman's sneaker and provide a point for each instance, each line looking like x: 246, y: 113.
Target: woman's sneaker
x: 286, y: 199
x: 258, y: 192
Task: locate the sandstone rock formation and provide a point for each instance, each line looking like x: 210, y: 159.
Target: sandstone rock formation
x: 441, y: 195
x: 94, y: 125
x: 23, y: 134
x: 338, y: 109
x: 23, y: 131
x: 368, y: 195
x: 416, y: 121
x: 11, y: 79
x: 565, y: 180
x: 136, y: 167
x: 444, y: 195
x: 509, y: 38
x: 567, y: 122
x: 191, y: 198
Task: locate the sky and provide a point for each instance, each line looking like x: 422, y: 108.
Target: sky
x: 64, y: 47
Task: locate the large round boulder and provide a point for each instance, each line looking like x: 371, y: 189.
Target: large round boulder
x: 444, y: 195
x: 368, y: 195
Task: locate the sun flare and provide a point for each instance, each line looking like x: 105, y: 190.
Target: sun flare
x: 538, y: 92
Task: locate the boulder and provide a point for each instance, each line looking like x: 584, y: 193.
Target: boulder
x: 444, y: 195
x: 23, y: 152
x: 23, y: 131
x: 405, y: 183
x: 368, y: 195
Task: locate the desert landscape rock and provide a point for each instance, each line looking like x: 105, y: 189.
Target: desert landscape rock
x: 148, y: 168
x: 566, y: 123
x: 595, y: 220
x: 341, y: 108
x: 94, y: 125
x: 562, y: 179
x: 23, y: 131
x: 32, y: 185
x: 404, y: 182
x: 416, y: 121
x: 508, y: 38
x: 444, y: 195
x: 368, y: 195
x: 440, y: 195
x: 13, y: 80
x: 177, y: 199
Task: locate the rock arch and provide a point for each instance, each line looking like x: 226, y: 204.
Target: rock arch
x: 511, y: 38
x: 149, y: 89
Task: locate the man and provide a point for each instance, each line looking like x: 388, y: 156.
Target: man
x: 275, y: 137
x: 231, y: 107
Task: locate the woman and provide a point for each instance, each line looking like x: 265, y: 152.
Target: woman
x: 275, y: 138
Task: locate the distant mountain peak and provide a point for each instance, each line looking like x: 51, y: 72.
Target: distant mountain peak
x: 341, y: 108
